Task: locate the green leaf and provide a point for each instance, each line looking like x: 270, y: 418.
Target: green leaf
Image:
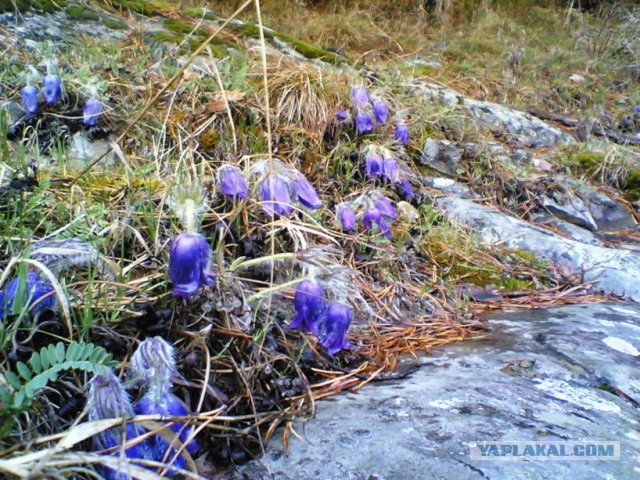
x: 24, y: 371
x: 72, y: 351
x: 5, y: 395
x: 13, y: 380
x: 60, y: 352
x: 29, y: 390
x: 44, y: 358
x: 18, y: 400
x: 36, y: 364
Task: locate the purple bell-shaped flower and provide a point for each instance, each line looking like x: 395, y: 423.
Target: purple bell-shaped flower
x: 342, y: 116
x: 189, y: 264
x: 384, y: 205
x: 92, y: 111
x: 364, y: 123
x: 231, y: 182
x: 374, y: 165
x: 30, y: 99
x: 406, y: 189
x: 360, y: 96
x: 36, y: 293
x: 347, y: 217
x: 402, y: 133
x: 153, y: 364
x: 309, y: 305
x: 334, y: 328
x: 370, y: 218
x: 381, y: 111
x: 106, y: 399
x: 52, y: 89
x: 275, y: 197
x: 390, y: 170
x: 306, y: 193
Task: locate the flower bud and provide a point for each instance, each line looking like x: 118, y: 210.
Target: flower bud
x: 347, y: 217
x: 380, y: 109
x: 360, y: 96
x: 402, y: 134
x: 33, y: 290
x: 306, y: 193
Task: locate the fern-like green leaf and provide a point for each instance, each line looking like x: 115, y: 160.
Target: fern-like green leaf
x: 44, y: 359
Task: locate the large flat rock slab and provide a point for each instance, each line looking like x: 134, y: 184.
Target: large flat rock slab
x: 561, y: 374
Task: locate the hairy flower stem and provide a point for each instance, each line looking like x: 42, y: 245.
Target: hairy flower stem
x: 189, y: 216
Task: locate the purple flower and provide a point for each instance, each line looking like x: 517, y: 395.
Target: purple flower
x: 402, y: 133
x: 107, y: 398
x: 347, y: 217
x: 360, y: 96
x: 30, y: 99
x: 374, y: 165
x: 305, y: 192
x: 153, y: 364
x: 390, y: 169
x: 385, y: 227
x: 309, y: 304
x: 167, y: 404
x: 384, y: 205
x: 364, y: 123
x: 189, y: 264
x: 371, y: 217
x: 406, y: 189
x: 381, y: 111
x: 231, y: 182
x: 334, y: 328
x: 92, y: 110
x: 342, y: 116
x: 31, y: 291
x: 52, y: 89
x: 275, y: 197
x: 636, y: 109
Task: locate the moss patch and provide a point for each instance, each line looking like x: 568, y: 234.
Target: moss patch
x: 114, y: 24
x: 78, y: 12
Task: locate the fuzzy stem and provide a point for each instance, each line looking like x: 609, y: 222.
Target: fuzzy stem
x: 257, y: 261
x: 189, y: 216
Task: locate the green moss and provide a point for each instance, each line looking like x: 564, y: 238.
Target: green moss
x: 167, y: 37
x: 631, y: 185
x: 136, y: 6
x: 178, y: 26
x: 304, y: 48
x: 25, y: 5
x: 79, y: 12
x: 588, y: 162
x: 114, y: 24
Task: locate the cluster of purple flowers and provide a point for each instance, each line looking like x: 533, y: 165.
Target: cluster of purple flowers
x: 52, y: 92
x: 376, y: 211
x: 281, y: 185
x: 328, y: 321
x: 153, y: 365
x: 369, y: 107
x: 381, y: 163
x: 33, y: 292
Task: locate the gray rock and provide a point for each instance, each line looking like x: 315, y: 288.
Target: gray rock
x: 572, y: 231
x: 568, y: 207
x: 609, y: 270
x: 542, y: 375
x: 441, y: 155
x: 609, y: 215
x: 519, y: 126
